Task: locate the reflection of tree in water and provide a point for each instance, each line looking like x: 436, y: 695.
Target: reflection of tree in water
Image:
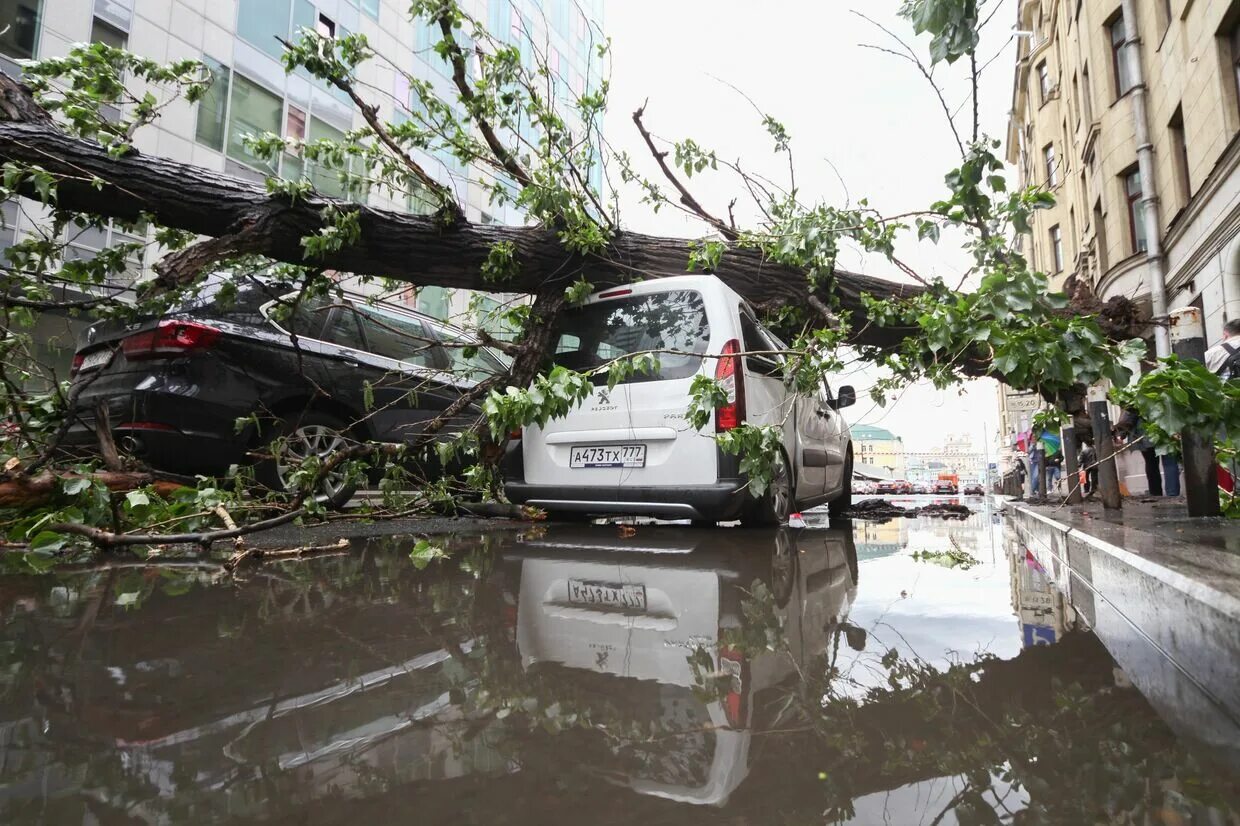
x: 1051, y: 723
x: 1048, y: 735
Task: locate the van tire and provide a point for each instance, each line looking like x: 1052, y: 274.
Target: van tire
x: 772, y: 509
x: 842, y: 504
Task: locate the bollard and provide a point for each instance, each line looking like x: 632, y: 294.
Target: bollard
x: 1200, y: 477
x: 1067, y: 438
x: 1104, y: 447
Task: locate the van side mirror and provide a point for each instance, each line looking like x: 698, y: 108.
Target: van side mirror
x: 846, y: 397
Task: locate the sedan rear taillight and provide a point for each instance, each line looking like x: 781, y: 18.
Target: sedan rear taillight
x: 78, y: 358
x: 731, y: 377
x: 170, y: 338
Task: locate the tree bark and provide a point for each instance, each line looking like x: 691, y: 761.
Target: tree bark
x: 32, y: 491
x: 417, y: 249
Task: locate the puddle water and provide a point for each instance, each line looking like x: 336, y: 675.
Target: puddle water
x: 910, y: 671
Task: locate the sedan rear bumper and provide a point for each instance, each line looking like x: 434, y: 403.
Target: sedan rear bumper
x: 721, y: 501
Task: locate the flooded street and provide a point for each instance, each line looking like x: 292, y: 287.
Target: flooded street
x: 908, y: 671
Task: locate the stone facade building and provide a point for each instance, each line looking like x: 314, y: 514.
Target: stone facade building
x: 1074, y: 129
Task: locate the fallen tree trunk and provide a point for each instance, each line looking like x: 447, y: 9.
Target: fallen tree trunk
x: 32, y: 491
x: 417, y: 249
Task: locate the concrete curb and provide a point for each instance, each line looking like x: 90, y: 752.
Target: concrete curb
x: 1167, y: 611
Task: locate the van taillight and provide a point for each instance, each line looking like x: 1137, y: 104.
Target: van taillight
x: 731, y: 378
x: 78, y: 358
x: 170, y: 338
x: 733, y: 665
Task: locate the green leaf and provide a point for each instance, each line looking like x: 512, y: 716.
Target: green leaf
x: 74, y: 485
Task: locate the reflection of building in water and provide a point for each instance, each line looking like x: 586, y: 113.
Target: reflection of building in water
x: 1043, y: 613
x: 875, y: 539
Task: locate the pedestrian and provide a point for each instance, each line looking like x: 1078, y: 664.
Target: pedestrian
x: 1035, y: 465
x: 1157, y: 468
x: 1087, y: 461
x: 1054, y: 469
x: 1223, y: 359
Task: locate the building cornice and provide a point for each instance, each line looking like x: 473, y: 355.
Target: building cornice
x: 1114, y: 274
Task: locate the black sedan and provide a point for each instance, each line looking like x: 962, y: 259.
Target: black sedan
x: 209, y: 385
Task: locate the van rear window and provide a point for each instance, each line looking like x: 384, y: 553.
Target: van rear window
x: 673, y: 324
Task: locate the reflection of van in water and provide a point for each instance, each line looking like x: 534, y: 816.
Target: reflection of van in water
x: 629, y: 450
x: 622, y: 617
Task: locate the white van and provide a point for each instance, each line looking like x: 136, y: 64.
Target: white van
x: 629, y: 450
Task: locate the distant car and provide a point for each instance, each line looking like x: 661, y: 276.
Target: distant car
x: 889, y: 486
x: 175, y: 386
x: 974, y: 490
x: 945, y: 487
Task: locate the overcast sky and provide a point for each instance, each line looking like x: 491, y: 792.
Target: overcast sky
x: 864, y: 125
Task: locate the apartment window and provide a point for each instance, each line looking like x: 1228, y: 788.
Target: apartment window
x: 1076, y: 100
x: 213, y: 108
x: 1087, y: 100
x: 101, y: 32
x: 1136, y: 209
x: 1057, y: 248
x: 371, y: 7
x: 1179, y: 156
x: 1044, y: 81
x: 253, y: 111
x: 1052, y: 169
x: 498, y: 19
x: 1119, y: 56
x: 260, y: 22
x: 21, y: 17
x: 1100, y: 236
x: 325, y: 26
x: 326, y: 181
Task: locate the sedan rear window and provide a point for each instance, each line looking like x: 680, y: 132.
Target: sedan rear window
x: 673, y: 324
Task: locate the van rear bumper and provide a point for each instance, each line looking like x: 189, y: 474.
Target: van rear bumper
x: 718, y: 502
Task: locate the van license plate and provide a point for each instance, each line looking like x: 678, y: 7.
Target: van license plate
x: 630, y: 597
x: 607, y: 456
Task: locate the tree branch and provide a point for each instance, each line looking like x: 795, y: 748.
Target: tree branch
x: 686, y: 197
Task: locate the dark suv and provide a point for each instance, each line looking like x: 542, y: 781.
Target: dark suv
x: 176, y: 386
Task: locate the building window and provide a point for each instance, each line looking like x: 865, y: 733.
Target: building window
x: 1076, y: 100
x: 261, y: 22
x: 371, y: 7
x: 253, y: 111
x: 1234, y: 40
x: 1052, y: 168
x: 1087, y: 100
x: 19, y: 20
x: 1057, y: 248
x: 1119, y: 56
x: 1179, y: 156
x: 1044, y: 81
x: 1136, y: 209
x: 1100, y: 236
x: 213, y: 108
x: 325, y: 26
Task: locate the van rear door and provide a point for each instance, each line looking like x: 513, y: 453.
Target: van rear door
x: 634, y: 434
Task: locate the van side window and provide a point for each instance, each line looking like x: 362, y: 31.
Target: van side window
x: 305, y: 320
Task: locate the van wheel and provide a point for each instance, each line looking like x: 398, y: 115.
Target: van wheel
x: 841, y: 504
x: 305, y: 435
x: 775, y: 504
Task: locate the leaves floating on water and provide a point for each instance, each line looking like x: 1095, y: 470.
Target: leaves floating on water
x: 955, y: 558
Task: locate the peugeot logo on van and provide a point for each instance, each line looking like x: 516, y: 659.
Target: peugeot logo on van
x: 604, y: 396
